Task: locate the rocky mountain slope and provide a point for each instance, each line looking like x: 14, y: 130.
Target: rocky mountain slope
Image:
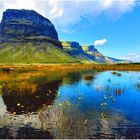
x: 28, y: 37
x: 21, y: 24
x: 75, y: 50
x: 87, y: 53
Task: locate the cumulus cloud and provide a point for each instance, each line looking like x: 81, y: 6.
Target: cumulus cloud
x: 100, y: 42
x: 134, y: 57
x: 68, y: 12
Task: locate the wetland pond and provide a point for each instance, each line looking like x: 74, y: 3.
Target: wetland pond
x: 85, y: 104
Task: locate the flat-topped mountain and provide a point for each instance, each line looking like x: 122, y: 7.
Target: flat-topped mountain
x: 28, y: 37
x: 21, y: 24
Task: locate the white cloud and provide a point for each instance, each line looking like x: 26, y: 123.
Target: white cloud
x: 68, y: 12
x: 135, y: 57
x: 100, y: 42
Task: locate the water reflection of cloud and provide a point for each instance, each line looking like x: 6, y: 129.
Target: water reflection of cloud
x: 98, y: 87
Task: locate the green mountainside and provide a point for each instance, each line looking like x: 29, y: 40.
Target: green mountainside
x: 32, y: 53
x: 27, y: 37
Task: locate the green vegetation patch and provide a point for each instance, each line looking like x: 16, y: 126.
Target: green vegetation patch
x: 33, y: 53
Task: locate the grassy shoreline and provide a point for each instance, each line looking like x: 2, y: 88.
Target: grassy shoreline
x: 70, y: 67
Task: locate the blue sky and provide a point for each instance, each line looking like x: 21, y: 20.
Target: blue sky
x: 113, y: 26
x: 122, y: 34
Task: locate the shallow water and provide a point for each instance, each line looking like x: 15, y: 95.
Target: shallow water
x: 71, y: 106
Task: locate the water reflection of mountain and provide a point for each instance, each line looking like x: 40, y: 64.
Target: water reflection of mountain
x: 25, y: 101
x: 71, y: 78
x: 25, y: 132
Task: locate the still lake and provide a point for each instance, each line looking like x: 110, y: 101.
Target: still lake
x: 85, y: 104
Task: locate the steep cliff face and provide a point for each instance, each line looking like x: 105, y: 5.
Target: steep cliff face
x: 18, y: 25
x: 95, y: 53
x: 75, y: 49
x: 28, y: 37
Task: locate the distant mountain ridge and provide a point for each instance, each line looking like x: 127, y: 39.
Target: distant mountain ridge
x: 89, y: 53
x: 28, y: 37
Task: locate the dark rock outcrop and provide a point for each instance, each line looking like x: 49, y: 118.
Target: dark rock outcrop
x: 21, y: 25
x: 96, y: 54
x: 92, y: 48
x: 75, y: 49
